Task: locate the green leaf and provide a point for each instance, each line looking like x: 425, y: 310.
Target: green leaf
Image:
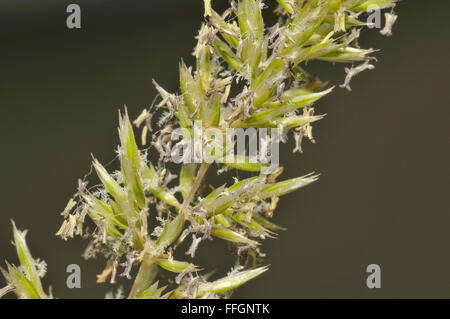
x: 228, y: 31
x: 23, y: 287
x: 128, y: 142
x: 261, y: 87
x: 110, y: 183
x: 243, y: 163
x: 298, y: 97
x: 251, y: 26
x: 266, y: 223
x: 252, y: 181
x: 289, y: 122
x: 25, y: 280
x: 130, y: 161
x: 286, y: 4
x: 305, y: 24
x: 176, y: 266
x: 276, y: 109
x: 217, y: 201
x: 346, y: 55
x: 210, y: 111
x: 161, y: 193
x: 188, y: 87
x: 153, y: 292
x: 232, y: 236
x: 26, y: 260
x: 295, y: 121
x: 241, y: 218
x: 232, y: 281
x: 101, y: 209
x: 227, y: 54
x: 221, y: 198
x: 288, y: 186
x: 223, y: 220
x: 382, y: 4
x: 172, y: 230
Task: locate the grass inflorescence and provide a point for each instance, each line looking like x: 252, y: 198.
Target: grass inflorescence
x: 235, y: 51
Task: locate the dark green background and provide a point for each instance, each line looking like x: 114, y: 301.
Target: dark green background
x: 382, y: 150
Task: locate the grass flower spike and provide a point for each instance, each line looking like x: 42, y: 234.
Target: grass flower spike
x: 24, y: 280
x: 247, y: 76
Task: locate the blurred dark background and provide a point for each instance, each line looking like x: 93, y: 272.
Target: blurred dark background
x: 382, y: 150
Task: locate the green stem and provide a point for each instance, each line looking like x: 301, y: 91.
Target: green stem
x: 148, y: 259
x: 141, y: 276
x: 197, y: 182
